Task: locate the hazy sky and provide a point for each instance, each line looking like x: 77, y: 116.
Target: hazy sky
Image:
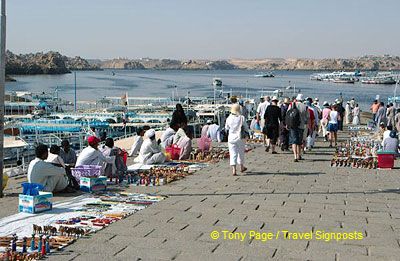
x: 204, y: 28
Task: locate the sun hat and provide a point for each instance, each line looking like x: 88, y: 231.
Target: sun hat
x: 299, y: 97
x: 235, y: 109
x: 274, y: 98
x: 326, y: 103
x: 93, y: 140
x: 209, y: 121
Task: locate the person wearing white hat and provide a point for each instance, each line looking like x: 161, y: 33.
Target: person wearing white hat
x: 272, y: 118
x: 325, y: 120
x: 150, y: 152
x: 260, y: 115
x: 236, y: 125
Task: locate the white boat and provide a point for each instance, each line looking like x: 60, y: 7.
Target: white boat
x: 335, y: 75
x: 264, y: 75
x: 217, y: 82
x: 344, y: 79
x: 381, y: 78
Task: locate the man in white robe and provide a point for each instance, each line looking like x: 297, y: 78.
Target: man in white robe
x: 52, y: 178
x: 150, y: 152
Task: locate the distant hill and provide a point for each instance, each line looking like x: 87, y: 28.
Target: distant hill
x: 56, y: 63
x: 385, y: 62
x: 44, y: 63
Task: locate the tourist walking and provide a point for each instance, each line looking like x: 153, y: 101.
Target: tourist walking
x: 347, y: 114
x: 397, y: 120
x: 340, y: 110
x: 296, y: 119
x: 272, y: 117
x: 333, y: 125
x: 283, y: 130
x: 236, y: 125
x: 356, y: 115
x: 260, y: 114
x: 381, y: 114
x: 325, y: 120
x: 374, y: 109
x: 390, y: 113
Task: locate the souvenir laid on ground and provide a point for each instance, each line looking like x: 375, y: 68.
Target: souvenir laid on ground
x: 357, y: 153
x: 69, y: 220
x: 213, y: 155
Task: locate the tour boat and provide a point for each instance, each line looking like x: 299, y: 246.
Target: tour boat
x: 217, y: 82
x: 379, y: 80
x: 264, y: 75
x: 344, y: 80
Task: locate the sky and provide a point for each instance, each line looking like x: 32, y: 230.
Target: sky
x: 204, y: 29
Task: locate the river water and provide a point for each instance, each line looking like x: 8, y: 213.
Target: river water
x: 92, y: 85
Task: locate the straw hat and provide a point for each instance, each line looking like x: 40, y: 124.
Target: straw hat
x: 235, y: 109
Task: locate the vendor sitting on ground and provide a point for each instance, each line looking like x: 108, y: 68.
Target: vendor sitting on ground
x: 41, y: 172
x: 54, y: 156
x: 150, y: 152
x: 391, y: 143
x: 67, y: 154
x: 118, y: 167
x: 167, y: 137
x: 137, y: 142
x: 185, y: 144
x: 91, y: 154
x: 214, y: 132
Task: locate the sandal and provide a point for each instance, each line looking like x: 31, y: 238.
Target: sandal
x: 243, y: 170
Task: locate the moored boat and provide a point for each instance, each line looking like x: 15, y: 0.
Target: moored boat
x: 264, y: 75
x: 217, y: 82
x: 344, y: 80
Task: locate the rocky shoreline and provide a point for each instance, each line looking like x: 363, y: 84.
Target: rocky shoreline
x: 56, y: 63
x: 44, y: 63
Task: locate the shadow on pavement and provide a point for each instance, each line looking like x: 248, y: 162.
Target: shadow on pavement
x: 282, y: 173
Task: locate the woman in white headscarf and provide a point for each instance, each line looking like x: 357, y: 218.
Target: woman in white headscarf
x: 150, y: 152
x: 235, y: 125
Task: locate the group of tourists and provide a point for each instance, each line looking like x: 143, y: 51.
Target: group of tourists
x: 387, y: 115
x: 288, y: 123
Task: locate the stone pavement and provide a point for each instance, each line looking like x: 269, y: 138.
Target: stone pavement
x: 276, y: 194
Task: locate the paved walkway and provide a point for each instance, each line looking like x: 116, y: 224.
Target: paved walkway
x: 275, y: 195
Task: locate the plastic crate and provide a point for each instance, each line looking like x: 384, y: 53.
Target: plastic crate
x: 386, y: 160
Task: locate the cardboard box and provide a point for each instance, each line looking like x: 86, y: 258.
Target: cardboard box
x: 35, y: 204
x: 93, y: 184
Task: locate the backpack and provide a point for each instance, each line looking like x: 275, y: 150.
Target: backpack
x: 292, y: 119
